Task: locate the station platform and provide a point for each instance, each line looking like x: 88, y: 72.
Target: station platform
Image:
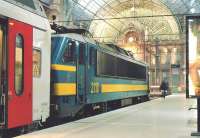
x: 159, y: 118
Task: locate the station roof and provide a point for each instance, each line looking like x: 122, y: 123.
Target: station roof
x: 107, y: 20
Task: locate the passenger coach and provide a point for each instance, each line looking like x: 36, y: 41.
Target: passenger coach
x: 24, y: 46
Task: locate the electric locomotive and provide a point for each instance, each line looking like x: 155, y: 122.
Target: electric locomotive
x: 86, y: 75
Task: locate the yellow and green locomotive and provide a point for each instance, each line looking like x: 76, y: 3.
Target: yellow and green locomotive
x: 85, y: 74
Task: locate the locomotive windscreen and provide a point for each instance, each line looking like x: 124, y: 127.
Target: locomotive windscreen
x: 28, y: 3
x: 113, y: 66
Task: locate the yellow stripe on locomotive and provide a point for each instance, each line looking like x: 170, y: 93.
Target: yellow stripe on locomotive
x: 122, y: 88
x: 64, y: 89
x: 63, y: 68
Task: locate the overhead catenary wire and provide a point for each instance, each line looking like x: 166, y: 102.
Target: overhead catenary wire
x: 128, y: 17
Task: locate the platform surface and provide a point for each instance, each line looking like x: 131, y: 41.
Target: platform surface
x: 169, y: 118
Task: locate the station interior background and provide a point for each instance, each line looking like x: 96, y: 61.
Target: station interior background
x: 153, y: 30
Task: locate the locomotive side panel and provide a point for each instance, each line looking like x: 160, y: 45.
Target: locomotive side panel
x: 110, y: 82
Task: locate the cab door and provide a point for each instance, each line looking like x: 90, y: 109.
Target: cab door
x: 82, y: 73
x: 20, y: 41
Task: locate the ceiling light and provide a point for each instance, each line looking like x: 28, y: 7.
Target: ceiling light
x: 192, y: 10
x: 131, y: 39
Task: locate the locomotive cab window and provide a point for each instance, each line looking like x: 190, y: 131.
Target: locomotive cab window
x: 19, y: 56
x: 69, y: 52
x: 36, y: 62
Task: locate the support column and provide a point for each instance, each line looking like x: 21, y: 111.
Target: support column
x: 157, y: 66
x: 198, y: 119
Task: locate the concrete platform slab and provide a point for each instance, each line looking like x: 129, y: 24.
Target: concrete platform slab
x: 159, y: 118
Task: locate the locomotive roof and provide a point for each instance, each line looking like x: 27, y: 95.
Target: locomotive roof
x: 76, y: 37
x: 109, y: 47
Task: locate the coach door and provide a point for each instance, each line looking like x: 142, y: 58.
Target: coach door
x: 20, y: 40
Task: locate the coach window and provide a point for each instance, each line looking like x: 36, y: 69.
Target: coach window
x: 68, y: 55
x: 36, y: 62
x: 19, y: 53
x: 1, y: 52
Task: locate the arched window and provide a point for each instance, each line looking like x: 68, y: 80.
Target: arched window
x: 19, y: 65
